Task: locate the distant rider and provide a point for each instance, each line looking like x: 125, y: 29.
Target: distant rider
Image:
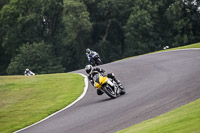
x: 89, y: 54
x: 92, y: 71
x: 28, y: 72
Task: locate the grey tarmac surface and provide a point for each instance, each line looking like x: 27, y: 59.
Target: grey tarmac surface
x: 155, y: 84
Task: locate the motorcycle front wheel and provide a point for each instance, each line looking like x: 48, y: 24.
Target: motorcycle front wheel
x: 109, y: 91
x: 99, y: 62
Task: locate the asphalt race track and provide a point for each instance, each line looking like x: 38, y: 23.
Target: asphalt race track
x: 155, y: 84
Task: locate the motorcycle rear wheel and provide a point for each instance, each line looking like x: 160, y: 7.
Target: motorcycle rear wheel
x: 122, y: 92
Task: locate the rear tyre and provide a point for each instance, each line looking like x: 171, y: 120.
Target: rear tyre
x: 122, y: 92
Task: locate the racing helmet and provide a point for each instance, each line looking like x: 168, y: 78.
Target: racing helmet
x: 88, y: 69
x: 88, y: 50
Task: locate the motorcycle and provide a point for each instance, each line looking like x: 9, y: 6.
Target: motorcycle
x: 107, y: 85
x: 29, y: 74
x: 95, y: 59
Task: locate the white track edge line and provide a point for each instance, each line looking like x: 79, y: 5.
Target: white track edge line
x: 79, y: 98
x: 175, y: 50
x: 160, y: 52
x: 156, y: 52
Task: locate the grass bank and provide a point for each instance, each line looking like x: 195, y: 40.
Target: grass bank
x: 196, y: 45
x: 25, y: 100
x: 185, y: 119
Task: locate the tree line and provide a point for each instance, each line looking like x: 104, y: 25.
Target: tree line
x: 50, y: 36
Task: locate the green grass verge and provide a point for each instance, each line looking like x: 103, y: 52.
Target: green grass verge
x: 185, y: 119
x: 25, y: 100
x: 196, y: 45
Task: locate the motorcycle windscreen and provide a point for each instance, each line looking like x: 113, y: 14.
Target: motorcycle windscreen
x: 99, y: 80
x: 96, y: 81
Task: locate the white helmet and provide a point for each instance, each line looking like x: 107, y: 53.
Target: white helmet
x: 88, y: 50
x: 88, y: 69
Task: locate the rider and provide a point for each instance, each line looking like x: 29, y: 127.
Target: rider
x: 91, y: 71
x: 89, y: 54
x: 28, y: 72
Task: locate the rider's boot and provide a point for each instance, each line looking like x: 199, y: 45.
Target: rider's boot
x: 119, y: 83
x: 112, y: 76
x: 121, y: 87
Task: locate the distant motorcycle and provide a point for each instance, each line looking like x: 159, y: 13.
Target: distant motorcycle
x: 29, y: 74
x: 95, y: 59
x: 107, y: 85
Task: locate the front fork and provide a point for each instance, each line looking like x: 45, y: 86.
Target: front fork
x: 116, y: 89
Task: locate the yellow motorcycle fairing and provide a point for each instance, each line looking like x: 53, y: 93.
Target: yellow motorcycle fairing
x: 99, y: 80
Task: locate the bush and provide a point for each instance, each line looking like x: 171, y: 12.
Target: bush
x: 38, y: 57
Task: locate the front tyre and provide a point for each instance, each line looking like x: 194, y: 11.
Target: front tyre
x: 109, y: 91
x: 98, y: 62
x: 92, y: 63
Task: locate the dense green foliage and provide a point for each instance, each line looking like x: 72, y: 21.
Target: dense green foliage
x: 37, y: 56
x: 114, y: 28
